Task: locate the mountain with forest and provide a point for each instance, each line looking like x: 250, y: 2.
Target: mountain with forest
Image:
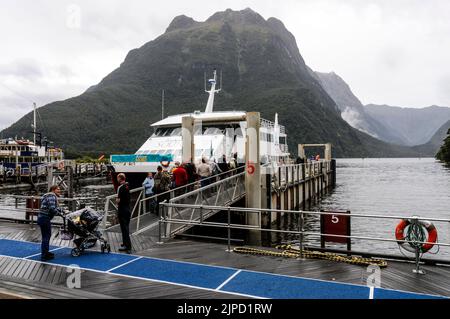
x: 436, y: 142
x: 263, y: 71
x: 444, y: 151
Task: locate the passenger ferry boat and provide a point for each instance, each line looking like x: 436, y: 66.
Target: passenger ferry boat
x: 21, y: 157
x: 215, y: 134
x: 25, y: 155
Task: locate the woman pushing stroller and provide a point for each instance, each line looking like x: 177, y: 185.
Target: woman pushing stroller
x: 83, y: 223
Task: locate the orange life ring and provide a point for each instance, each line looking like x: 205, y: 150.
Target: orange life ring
x: 400, y: 235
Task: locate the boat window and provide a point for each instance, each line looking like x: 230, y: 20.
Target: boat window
x: 161, y: 132
x: 157, y: 133
x: 238, y: 132
x: 213, y: 131
x: 176, y: 132
x: 154, y: 152
x: 168, y: 152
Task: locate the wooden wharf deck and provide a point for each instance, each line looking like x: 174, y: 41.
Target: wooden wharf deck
x: 29, y: 279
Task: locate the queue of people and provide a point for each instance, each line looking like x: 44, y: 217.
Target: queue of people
x: 183, y: 174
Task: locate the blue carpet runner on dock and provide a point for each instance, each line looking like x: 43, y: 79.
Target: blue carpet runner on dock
x: 214, y: 278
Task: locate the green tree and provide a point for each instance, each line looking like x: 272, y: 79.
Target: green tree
x: 444, y: 152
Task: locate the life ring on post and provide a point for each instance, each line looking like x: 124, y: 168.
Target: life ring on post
x: 250, y: 168
x: 400, y: 235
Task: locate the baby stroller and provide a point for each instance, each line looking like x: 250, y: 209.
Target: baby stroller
x: 84, y: 223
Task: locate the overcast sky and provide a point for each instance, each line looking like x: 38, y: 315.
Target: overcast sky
x: 394, y: 52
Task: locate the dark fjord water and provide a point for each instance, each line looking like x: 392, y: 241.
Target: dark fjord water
x: 400, y: 187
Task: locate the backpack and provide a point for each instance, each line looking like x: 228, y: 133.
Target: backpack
x: 162, y: 182
x: 165, y: 182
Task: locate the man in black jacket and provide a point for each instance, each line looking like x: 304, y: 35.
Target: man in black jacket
x: 124, y: 214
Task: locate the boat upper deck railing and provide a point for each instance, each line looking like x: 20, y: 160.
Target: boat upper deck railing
x: 271, y: 125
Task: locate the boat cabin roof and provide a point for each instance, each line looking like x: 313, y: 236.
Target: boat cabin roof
x: 231, y: 116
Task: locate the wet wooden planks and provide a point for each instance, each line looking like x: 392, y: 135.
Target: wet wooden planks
x: 14, y: 288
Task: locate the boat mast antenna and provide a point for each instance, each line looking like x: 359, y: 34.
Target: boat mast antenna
x: 276, y: 128
x: 34, y: 125
x: 213, y: 82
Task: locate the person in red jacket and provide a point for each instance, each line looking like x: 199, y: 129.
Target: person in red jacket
x: 179, y: 175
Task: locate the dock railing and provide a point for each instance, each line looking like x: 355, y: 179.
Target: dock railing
x: 174, y: 219
x: 83, y: 170
x: 289, y: 173
x: 18, y: 206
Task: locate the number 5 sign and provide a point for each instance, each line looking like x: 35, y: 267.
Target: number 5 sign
x: 335, y: 223
x: 334, y: 219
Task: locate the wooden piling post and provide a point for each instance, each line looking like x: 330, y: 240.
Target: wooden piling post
x: 253, y: 172
x: 70, y: 183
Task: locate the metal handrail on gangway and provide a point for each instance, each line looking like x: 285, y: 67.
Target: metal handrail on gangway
x: 228, y: 189
x: 224, y: 193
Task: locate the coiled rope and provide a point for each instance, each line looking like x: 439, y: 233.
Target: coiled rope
x: 416, y: 233
x: 289, y: 252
